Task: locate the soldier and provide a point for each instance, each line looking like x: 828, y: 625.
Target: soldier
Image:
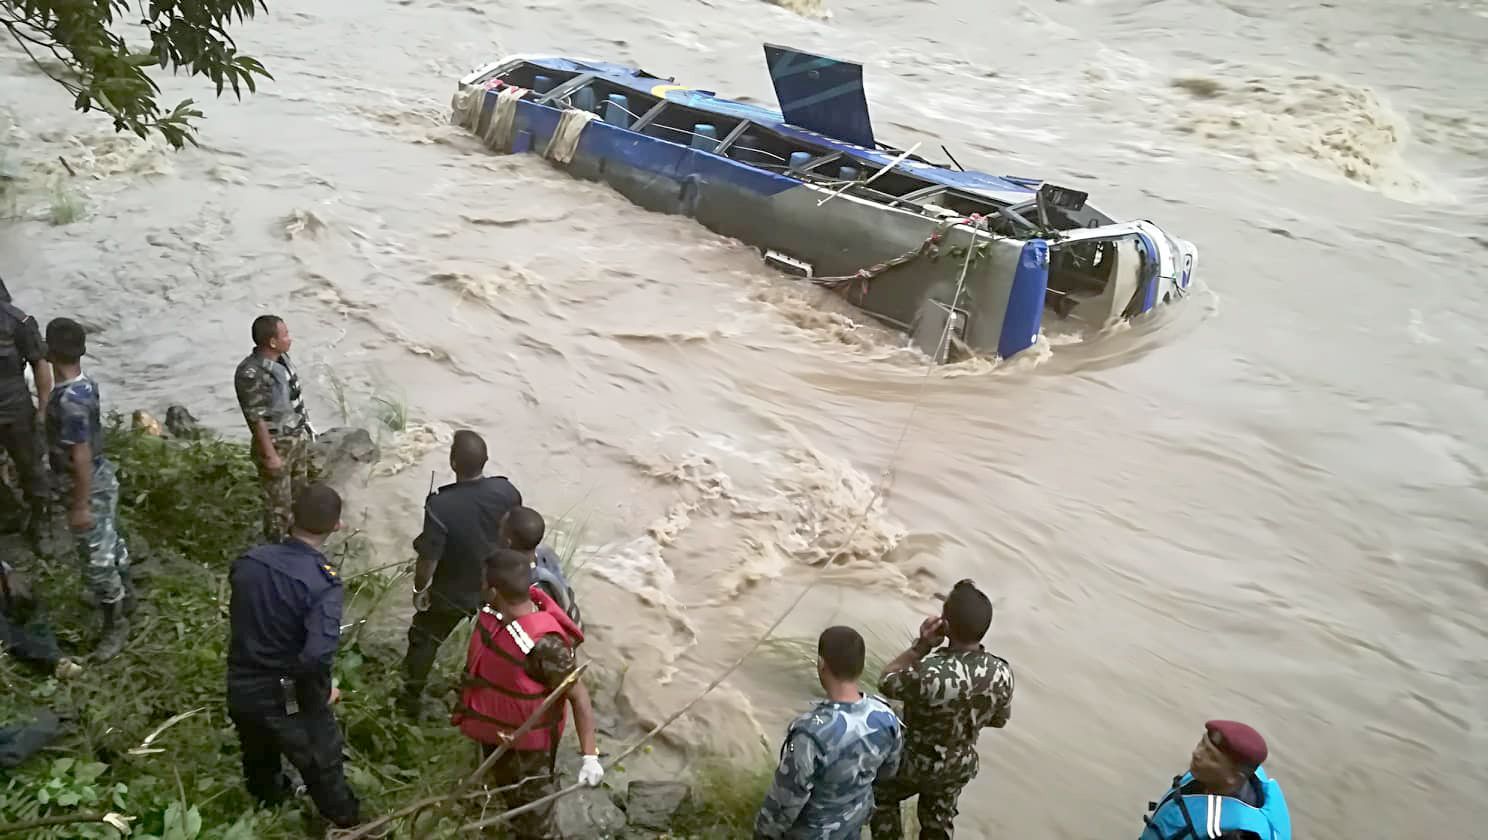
x: 269, y: 394
x: 21, y: 346
x: 833, y: 754
x: 284, y: 626
x: 522, y: 649
x: 949, y: 695
x: 1225, y: 794
x: 74, y: 428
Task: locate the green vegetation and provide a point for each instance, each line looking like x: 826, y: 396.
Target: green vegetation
x: 188, y: 508
x: 66, y: 207
x: 82, y: 46
x: 729, y: 796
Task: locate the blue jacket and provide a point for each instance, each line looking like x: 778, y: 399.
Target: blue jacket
x: 285, y: 617
x: 1193, y: 816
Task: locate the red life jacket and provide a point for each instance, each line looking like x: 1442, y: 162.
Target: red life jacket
x: 498, y: 696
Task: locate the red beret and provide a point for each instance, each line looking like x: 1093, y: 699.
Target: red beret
x: 1238, y: 741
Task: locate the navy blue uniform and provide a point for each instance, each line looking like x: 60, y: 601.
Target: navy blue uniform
x: 462, y: 523
x: 286, y: 624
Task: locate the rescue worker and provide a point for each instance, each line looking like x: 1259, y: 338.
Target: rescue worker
x: 462, y: 525
x: 522, y: 530
x: 521, y: 650
x: 833, y: 754
x: 269, y: 394
x: 21, y: 346
x: 1225, y: 795
x: 949, y: 695
x: 74, y: 428
x: 285, y: 624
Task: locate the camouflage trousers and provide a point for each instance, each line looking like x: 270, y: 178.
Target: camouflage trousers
x: 518, y: 767
x: 280, y: 489
x: 101, y: 551
x: 936, y: 808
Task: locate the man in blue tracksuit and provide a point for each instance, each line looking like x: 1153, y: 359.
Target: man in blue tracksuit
x: 1225, y: 795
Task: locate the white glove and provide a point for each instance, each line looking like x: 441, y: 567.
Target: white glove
x: 591, y: 773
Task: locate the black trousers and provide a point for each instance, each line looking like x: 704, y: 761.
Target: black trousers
x: 19, y: 439
x: 426, y: 633
x: 312, y: 743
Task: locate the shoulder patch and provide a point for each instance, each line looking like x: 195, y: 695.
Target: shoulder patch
x: 329, y: 572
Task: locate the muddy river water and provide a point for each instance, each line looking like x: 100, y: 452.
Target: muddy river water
x: 1266, y: 503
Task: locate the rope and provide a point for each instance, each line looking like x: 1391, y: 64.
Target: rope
x: 878, y: 491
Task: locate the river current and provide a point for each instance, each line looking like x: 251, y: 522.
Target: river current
x: 1267, y: 502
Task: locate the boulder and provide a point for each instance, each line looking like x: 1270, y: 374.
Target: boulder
x: 144, y: 421
x: 588, y: 813
x: 654, y: 805
x: 339, y: 450
x: 182, y: 423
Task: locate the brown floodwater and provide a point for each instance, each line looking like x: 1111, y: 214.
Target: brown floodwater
x: 1266, y: 502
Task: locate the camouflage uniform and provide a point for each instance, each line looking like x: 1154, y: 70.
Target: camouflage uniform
x: 269, y: 390
x: 949, y: 696
x: 73, y: 418
x: 832, y: 755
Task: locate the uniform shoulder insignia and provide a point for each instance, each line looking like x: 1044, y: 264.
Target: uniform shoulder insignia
x: 330, y: 573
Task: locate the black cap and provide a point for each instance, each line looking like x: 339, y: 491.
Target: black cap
x: 66, y: 338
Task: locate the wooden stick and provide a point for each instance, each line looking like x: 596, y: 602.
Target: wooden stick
x: 775, y: 625
x: 553, y: 696
x: 460, y: 792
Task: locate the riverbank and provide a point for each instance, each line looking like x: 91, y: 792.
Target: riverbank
x: 188, y: 507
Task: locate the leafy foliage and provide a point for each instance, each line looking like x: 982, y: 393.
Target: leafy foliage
x: 81, y: 45
x: 196, y: 505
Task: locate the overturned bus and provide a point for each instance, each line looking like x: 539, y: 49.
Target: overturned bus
x: 961, y: 260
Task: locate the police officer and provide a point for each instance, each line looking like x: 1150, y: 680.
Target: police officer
x: 286, y: 623
x: 268, y: 391
x: 20, y: 346
x: 833, y: 754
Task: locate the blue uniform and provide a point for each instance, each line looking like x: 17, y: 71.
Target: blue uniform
x: 823, y: 788
x: 74, y: 418
x: 285, y: 624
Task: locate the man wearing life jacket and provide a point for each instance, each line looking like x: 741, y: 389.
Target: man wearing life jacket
x: 1225, y: 795
x: 521, y: 649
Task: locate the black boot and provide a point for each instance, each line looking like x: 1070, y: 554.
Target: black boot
x: 129, y: 601
x: 115, y: 632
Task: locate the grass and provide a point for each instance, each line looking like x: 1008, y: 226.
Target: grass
x: 565, y: 535
x: 191, y: 508
x: 391, y: 411
x: 187, y: 509
x: 66, y: 207
x: 9, y: 177
x: 797, y: 654
x: 338, y: 393
x: 729, y: 795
